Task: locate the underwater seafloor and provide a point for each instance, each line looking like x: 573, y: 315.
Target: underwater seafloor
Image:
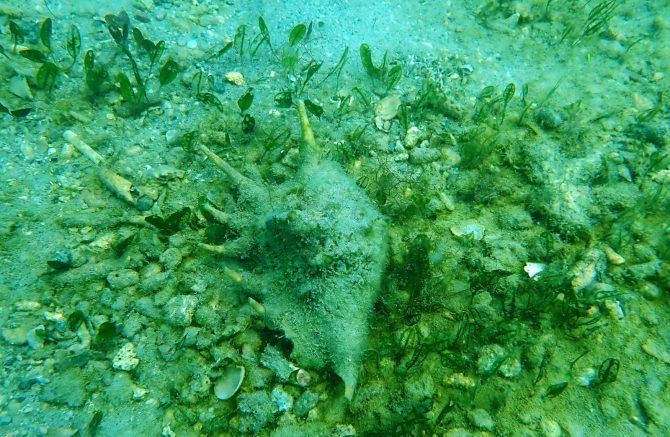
x: 476, y: 244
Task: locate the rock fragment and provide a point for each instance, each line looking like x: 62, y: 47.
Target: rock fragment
x: 126, y: 358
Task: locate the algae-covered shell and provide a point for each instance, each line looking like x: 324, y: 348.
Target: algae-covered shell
x: 229, y: 382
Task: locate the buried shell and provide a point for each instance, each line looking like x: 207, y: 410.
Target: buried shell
x: 229, y: 382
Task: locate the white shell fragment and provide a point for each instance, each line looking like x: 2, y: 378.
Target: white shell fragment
x: 473, y: 229
x: 229, y: 382
x: 165, y: 173
x: 412, y: 136
x: 117, y: 184
x: 82, y: 147
x: 613, y: 257
x: 303, y: 378
x: 234, y: 77
x: 614, y: 309
x: 256, y: 305
x: 125, y: 358
x: 585, y: 377
x: 387, y: 108
x: 532, y: 269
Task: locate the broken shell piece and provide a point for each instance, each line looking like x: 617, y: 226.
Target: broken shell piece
x: 83, y: 148
x: 387, y: 108
x: 229, y: 382
x: 614, y: 309
x: 139, y: 393
x: 19, y: 87
x: 165, y: 173
x: 303, y: 378
x: 234, y: 77
x: 257, y: 306
x: 117, y: 184
x: 613, y: 257
x: 412, y: 136
x: 473, y: 229
x: 232, y: 274
x: 461, y: 381
x: 533, y: 269
x: 661, y: 176
x: 585, y: 271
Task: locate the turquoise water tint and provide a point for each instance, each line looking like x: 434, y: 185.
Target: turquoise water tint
x: 335, y: 218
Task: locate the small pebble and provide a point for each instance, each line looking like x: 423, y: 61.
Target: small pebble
x: 281, y: 401
x: 510, y: 368
x: 585, y: 377
x: 613, y: 257
x: 481, y: 419
x: 122, y: 278
x: 234, y: 77
x: 171, y: 136
x: 305, y: 403
x: 35, y: 337
x: 171, y: 258
x: 179, y: 310
x: 412, y: 136
x: 15, y: 336
x: 460, y: 380
x: 651, y: 291
x: 489, y: 357
x: 550, y: 428
x: 548, y: 118
x: 656, y: 350
x: 27, y: 305
x: 423, y: 155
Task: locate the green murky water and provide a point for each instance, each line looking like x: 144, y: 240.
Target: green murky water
x: 334, y: 218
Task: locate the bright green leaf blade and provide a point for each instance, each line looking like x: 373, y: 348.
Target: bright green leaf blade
x: 246, y: 100
x: 17, y: 33
x: 313, y: 108
x: 225, y: 48
x: 210, y: 99
x: 45, y: 33
x: 157, y: 51
x: 20, y: 113
x: 125, y: 88
x: 168, y: 72
x: 46, y: 76
x: 137, y: 36
x: 263, y: 27
x: 33, y: 55
x: 393, y: 76
x: 73, y: 43
x: 297, y: 34
x: 89, y: 61
x: 366, y: 60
